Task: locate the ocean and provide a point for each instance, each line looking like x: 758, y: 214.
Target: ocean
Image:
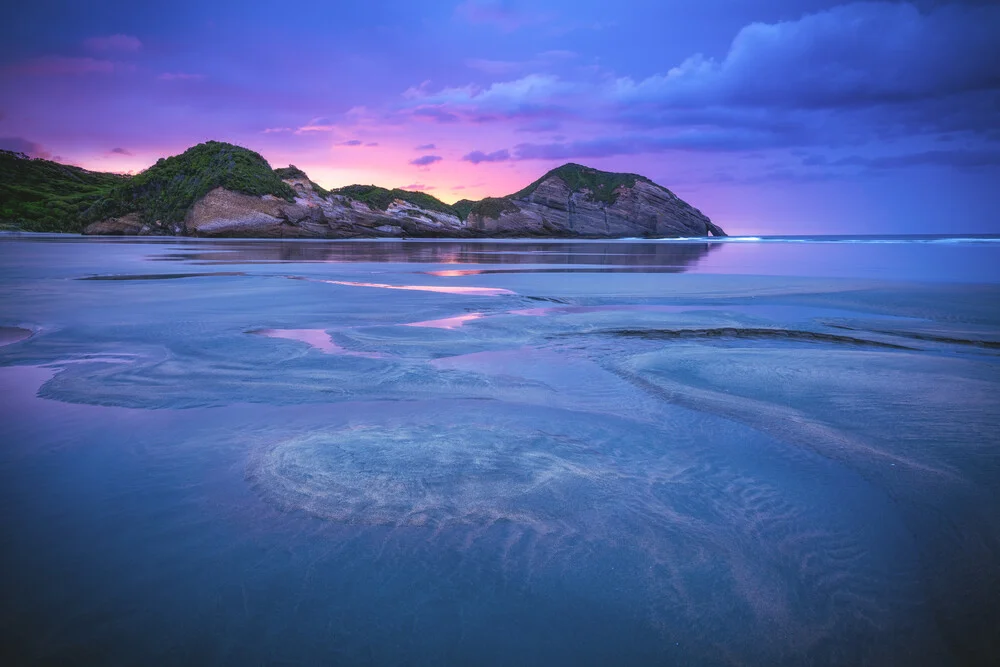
x: 740, y: 451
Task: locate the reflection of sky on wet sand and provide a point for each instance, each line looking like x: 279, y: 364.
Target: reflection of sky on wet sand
x: 447, y: 322
x: 443, y: 289
x: 319, y: 339
x: 316, y: 338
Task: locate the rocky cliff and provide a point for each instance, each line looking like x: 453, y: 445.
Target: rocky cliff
x: 574, y: 200
x: 220, y: 190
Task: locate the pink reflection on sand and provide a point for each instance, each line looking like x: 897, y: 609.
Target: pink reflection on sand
x: 552, y: 310
x: 455, y: 273
x: 447, y: 322
x: 317, y: 338
x: 484, y: 291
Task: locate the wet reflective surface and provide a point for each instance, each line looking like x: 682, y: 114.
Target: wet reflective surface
x: 775, y: 452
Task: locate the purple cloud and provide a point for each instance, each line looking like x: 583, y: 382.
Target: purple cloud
x: 124, y: 43
x: 869, y: 64
x: 425, y: 147
x: 846, y: 56
x: 707, y: 140
x: 317, y: 125
x: 425, y: 160
x: 418, y: 186
x: 21, y: 145
x: 436, y: 114
x: 119, y: 151
x: 530, y: 96
x: 350, y: 142
x: 475, y: 157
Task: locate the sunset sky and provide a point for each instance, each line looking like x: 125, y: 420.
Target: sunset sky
x: 772, y: 116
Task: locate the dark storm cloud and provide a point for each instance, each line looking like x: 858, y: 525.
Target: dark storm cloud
x: 848, y: 56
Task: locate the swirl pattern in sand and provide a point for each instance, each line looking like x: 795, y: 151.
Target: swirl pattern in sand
x: 662, y: 510
x: 432, y: 474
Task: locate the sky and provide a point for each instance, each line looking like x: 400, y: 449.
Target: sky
x: 771, y: 116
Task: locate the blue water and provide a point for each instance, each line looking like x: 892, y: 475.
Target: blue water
x: 781, y: 451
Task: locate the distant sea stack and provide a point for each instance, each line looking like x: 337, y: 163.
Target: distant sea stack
x: 216, y: 189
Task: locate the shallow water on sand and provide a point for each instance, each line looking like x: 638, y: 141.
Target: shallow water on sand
x: 773, y: 452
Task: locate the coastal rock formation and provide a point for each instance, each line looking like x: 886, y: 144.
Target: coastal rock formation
x: 223, y: 213
x: 628, y: 206
x: 216, y: 189
x: 126, y: 225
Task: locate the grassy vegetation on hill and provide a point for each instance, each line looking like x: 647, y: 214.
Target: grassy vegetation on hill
x: 167, y: 190
x: 380, y: 198
x: 39, y: 195
x: 291, y: 172
x: 602, y: 184
x: 43, y: 196
x: 494, y: 207
x: 463, y: 207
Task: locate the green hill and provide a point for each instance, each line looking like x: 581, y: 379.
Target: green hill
x: 39, y: 195
x: 493, y: 207
x: 43, y: 196
x: 292, y: 172
x: 463, y: 207
x: 167, y: 190
x: 602, y: 184
x: 380, y: 198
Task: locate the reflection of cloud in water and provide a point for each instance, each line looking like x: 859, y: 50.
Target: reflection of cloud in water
x: 316, y: 338
x: 447, y: 322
